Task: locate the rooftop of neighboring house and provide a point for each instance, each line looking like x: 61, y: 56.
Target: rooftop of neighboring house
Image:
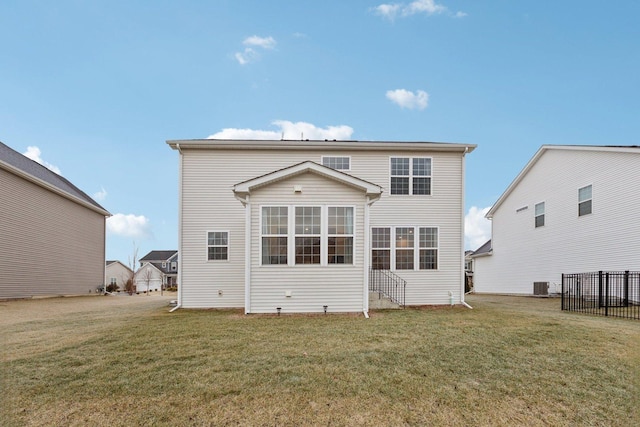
x: 33, y: 171
x: 159, y: 256
x: 483, y: 250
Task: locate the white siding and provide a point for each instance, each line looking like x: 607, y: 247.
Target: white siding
x: 119, y: 272
x: 607, y: 239
x: 340, y: 287
x: 208, y: 204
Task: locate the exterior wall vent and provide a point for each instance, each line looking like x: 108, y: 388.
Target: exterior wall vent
x: 541, y: 288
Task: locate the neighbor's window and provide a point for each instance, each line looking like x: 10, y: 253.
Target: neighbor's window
x: 114, y: 281
x: 307, y: 234
x: 217, y: 245
x: 404, y: 248
x: 584, y: 200
x: 428, y: 248
x: 338, y: 163
x: 411, y: 175
x: 275, y: 228
x: 539, y: 214
x: 381, y: 248
x: 174, y: 265
x: 340, y: 235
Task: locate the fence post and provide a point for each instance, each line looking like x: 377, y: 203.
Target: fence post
x: 606, y: 294
x: 626, y: 289
x: 600, y: 289
x: 562, y: 300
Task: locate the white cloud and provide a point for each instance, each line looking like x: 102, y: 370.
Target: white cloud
x: 129, y: 225
x: 100, y: 195
x: 263, y: 42
x: 427, y: 7
x: 407, y: 99
x: 477, y: 229
x: 287, y: 130
x: 250, y: 54
x: 34, y: 154
x: 460, y: 14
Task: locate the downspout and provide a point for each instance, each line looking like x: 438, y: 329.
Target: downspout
x: 462, y: 301
x: 247, y: 255
x: 179, y: 232
x: 367, y: 255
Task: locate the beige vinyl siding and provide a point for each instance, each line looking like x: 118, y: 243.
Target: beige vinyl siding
x: 120, y: 272
x: 49, y: 245
x: 340, y: 287
x: 208, y: 204
x: 607, y: 239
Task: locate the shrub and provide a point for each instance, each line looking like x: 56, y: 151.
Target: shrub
x: 112, y: 287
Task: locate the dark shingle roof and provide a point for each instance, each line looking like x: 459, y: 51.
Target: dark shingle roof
x: 158, y: 256
x: 484, y: 249
x: 36, y: 170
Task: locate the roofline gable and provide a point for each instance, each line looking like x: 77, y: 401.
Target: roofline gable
x: 308, y: 166
x: 543, y: 149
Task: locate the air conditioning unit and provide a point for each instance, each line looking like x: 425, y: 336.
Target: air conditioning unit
x: 540, y: 288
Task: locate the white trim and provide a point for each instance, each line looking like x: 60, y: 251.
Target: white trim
x: 367, y: 256
x: 247, y: 255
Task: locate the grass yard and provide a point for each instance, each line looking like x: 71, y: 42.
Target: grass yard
x: 123, y: 361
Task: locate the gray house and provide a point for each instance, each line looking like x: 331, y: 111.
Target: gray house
x: 53, y: 234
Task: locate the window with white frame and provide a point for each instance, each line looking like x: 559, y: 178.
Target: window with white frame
x: 275, y: 231
x: 539, y: 214
x: 340, y: 235
x: 342, y: 163
x: 399, y: 247
x: 410, y: 175
x: 428, y: 244
x: 405, y: 242
x: 113, y: 281
x: 584, y: 200
x: 308, y: 232
x: 381, y: 248
x: 217, y: 245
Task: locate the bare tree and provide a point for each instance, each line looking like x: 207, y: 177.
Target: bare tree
x: 128, y: 280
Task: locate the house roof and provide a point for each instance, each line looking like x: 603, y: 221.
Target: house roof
x: 543, y: 149
x: 318, y: 145
x: 159, y: 255
x: 483, y: 250
x: 304, y: 167
x: 111, y: 262
x: 30, y: 170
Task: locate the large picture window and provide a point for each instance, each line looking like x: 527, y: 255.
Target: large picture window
x: 410, y: 175
x: 340, y: 235
x: 217, y: 245
x: 275, y: 229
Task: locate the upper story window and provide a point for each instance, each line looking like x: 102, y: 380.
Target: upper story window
x: 539, y: 214
x: 217, y: 245
x: 411, y: 175
x: 584, y: 200
x: 342, y: 163
x: 174, y: 265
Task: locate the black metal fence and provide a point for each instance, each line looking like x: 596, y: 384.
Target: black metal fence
x: 603, y: 293
x: 388, y: 284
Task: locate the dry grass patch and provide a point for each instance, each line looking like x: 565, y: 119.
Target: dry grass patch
x: 510, y: 361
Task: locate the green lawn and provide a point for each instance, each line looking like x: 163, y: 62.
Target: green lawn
x: 509, y: 361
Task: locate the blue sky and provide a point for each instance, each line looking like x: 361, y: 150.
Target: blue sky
x: 95, y: 88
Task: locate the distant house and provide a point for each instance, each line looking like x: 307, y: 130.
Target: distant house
x: 52, y: 235
x: 117, y: 274
x: 307, y: 226
x: 572, y: 209
x: 157, y: 269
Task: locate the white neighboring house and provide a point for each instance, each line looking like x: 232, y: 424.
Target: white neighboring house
x: 572, y: 209
x: 148, y: 278
x: 117, y: 273
x: 299, y: 225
